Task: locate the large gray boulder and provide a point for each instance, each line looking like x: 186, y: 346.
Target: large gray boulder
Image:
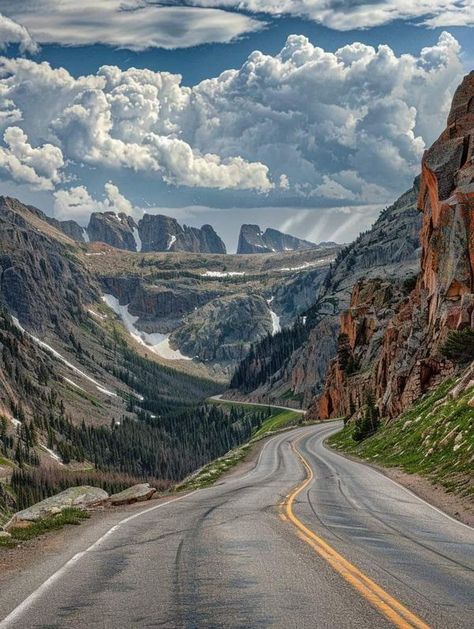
x: 137, y: 493
x: 83, y: 497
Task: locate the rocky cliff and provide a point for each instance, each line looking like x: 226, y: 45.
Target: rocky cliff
x: 163, y: 233
x: 116, y: 230
x: 389, y: 250
x: 410, y: 358
x: 253, y: 240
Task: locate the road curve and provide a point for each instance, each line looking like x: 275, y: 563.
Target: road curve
x: 306, y: 538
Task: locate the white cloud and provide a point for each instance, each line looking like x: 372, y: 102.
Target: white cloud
x: 348, y: 126
x: 38, y: 167
x: 13, y: 33
x: 77, y: 203
x: 349, y: 14
x: 131, y: 24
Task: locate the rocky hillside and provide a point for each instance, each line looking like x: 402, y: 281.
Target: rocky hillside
x: 294, y: 366
x: 398, y: 356
x: 253, y: 240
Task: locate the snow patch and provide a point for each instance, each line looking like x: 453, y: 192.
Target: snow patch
x: 222, y: 273
x: 53, y: 454
x: 138, y: 241
x: 74, y: 384
x: 97, y: 253
x: 57, y: 355
x: 85, y: 235
x: 304, y: 319
x: 96, y: 314
x: 157, y: 343
x: 276, y: 327
x: 15, y: 422
x: 171, y: 242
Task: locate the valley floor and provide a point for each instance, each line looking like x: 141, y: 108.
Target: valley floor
x: 302, y: 537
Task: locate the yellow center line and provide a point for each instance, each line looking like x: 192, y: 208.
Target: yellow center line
x: 390, y: 607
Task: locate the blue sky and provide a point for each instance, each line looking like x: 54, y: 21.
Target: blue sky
x: 314, y: 133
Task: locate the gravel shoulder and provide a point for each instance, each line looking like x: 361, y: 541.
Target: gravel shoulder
x: 461, y: 509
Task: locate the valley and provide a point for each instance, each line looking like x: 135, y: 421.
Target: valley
x: 141, y: 356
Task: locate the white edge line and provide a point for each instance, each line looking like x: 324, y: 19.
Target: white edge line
x: 394, y: 482
x: 22, y: 607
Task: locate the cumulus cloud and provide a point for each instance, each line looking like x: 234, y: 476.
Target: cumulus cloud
x: 131, y: 24
x: 13, y: 33
x: 349, y: 14
x: 78, y: 204
x: 343, y: 126
x: 38, y: 167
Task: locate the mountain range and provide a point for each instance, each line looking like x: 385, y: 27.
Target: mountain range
x: 157, y: 232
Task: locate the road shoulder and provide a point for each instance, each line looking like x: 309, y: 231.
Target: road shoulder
x: 459, y: 508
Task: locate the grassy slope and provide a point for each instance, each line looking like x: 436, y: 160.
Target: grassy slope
x: 434, y: 438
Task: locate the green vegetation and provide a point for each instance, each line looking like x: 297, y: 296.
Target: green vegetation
x: 459, y: 346
x: 51, y: 523
x: 434, y: 438
x: 369, y: 423
x: 211, y: 472
x: 278, y: 419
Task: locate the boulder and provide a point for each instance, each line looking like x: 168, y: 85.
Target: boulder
x: 82, y: 497
x: 137, y: 493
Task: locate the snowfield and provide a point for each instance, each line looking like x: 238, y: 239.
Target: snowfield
x: 157, y: 343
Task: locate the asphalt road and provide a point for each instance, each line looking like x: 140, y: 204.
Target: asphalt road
x: 306, y: 538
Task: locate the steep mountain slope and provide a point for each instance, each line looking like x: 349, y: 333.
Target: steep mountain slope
x: 294, y: 366
x: 411, y: 356
x: 207, y: 308
x: 253, y: 240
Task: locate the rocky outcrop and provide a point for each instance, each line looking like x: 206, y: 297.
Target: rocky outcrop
x: 116, y: 230
x: 82, y: 497
x: 253, y: 240
x: 224, y: 329
x: 73, y: 230
x: 137, y: 493
x: 163, y: 233
x: 409, y: 361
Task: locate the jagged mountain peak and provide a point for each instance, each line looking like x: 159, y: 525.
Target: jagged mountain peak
x: 253, y: 240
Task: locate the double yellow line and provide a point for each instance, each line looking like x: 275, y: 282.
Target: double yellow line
x: 397, y: 613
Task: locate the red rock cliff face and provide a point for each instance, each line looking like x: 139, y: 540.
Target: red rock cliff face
x: 407, y: 361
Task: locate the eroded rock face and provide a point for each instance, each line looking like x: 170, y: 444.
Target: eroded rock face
x: 253, y: 240
x: 163, y: 233
x: 116, y: 230
x: 409, y: 362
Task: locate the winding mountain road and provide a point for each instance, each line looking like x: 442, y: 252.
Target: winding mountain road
x: 307, y: 538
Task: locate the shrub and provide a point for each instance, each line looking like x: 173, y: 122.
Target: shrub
x: 459, y: 346
x: 367, y: 425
